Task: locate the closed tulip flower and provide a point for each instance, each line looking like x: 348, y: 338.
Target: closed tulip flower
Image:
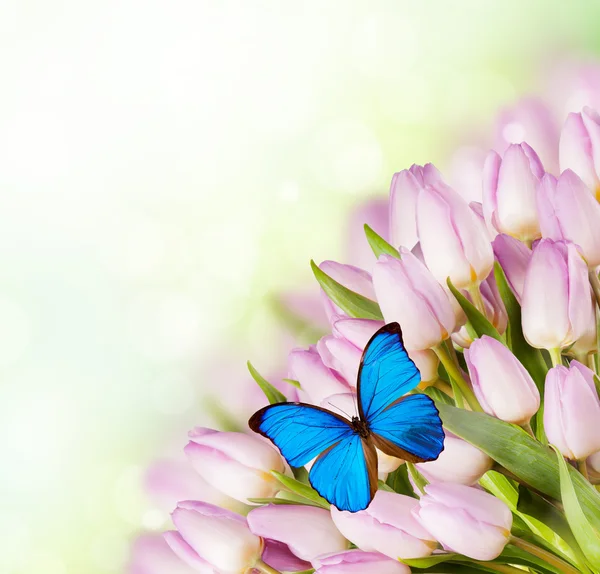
x: 579, y: 148
x: 409, y: 294
x: 509, y: 191
x: 237, y: 464
x: 454, y: 242
x: 569, y: 211
x: 556, y: 302
x: 387, y: 526
x: 318, y: 381
x: 212, y: 539
x: 466, y: 520
x: 513, y: 256
x: 150, y: 554
x: 308, y: 531
x: 459, y: 462
x: 572, y: 411
x: 404, y: 191
x: 501, y: 383
x: 359, y: 562
x: 529, y: 120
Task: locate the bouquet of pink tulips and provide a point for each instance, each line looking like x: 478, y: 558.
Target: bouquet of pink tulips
x: 498, y: 303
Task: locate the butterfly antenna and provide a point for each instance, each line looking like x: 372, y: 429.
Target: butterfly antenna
x: 338, y: 408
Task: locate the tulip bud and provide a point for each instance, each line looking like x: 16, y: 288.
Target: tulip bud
x: 466, y: 167
x: 529, y: 120
x: 556, y: 302
x: 355, y: 279
x: 279, y: 556
x: 386, y: 526
x: 212, y: 537
x: 237, y: 464
x: 316, y: 379
x: 569, y: 211
x: 404, y: 191
x: 466, y: 520
x: 308, y: 531
x: 150, y: 554
x: 579, y: 147
x: 459, y: 462
x: 374, y: 213
x: 408, y: 293
x: 509, y: 191
x: 454, y: 242
x: 341, y: 355
x: 513, y: 257
x: 359, y: 562
x: 501, y: 383
x: 572, y: 411
x: 494, y: 308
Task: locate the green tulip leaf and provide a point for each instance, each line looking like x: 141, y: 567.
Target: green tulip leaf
x: 384, y: 486
x: 501, y: 487
x: 478, y: 321
x: 379, y: 245
x: 432, y: 560
x: 437, y: 395
x: 584, y: 530
x: 300, y: 489
x: 263, y: 501
x: 532, y: 463
x: 272, y: 394
x: 294, y: 383
x: 398, y: 481
x: 300, y: 474
x: 351, y: 303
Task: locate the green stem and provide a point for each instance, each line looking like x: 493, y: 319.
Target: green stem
x: 477, y: 298
x: 265, y: 568
x: 590, y: 362
x: 457, y: 378
x: 595, y: 282
x: 418, y: 478
x: 527, y: 428
x: 504, y: 568
x: 544, y: 555
x: 582, y: 466
x: 555, y: 356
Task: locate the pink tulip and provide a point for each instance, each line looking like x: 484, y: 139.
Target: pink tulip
x: 211, y: 537
x: 572, y: 411
x: 502, y: 385
x: 279, y: 556
x: 308, y: 531
x: 466, y: 168
x: 375, y: 213
x: 513, y: 256
x: 235, y: 463
x: 569, y: 211
x: 353, y: 278
x: 167, y: 481
x: 454, y: 242
x: 317, y: 380
x: 579, y: 148
x: 359, y: 562
x: 408, y: 293
x: 532, y: 121
x: 404, y: 191
x: 150, y: 554
x: 509, y: 191
x: 466, y: 520
x: 341, y: 355
x: 386, y: 526
x: 459, y: 462
x: 556, y: 302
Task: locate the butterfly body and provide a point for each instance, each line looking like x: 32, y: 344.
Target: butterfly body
x: 344, y: 471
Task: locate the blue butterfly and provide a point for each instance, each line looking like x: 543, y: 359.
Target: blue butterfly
x: 400, y: 425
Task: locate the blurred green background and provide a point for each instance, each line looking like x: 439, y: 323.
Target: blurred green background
x: 166, y: 165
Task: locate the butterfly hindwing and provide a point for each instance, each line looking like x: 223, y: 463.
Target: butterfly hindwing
x: 345, y: 469
x: 346, y: 474
x: 407, y: 427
